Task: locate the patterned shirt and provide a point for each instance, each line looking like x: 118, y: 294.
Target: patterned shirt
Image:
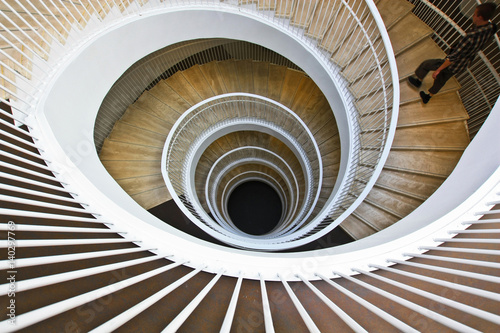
x: 466, y: 49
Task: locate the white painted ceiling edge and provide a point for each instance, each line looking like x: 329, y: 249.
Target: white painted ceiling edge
x: 68, y: 111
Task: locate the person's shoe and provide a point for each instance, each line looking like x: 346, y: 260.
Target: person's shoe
x: 414, y: 82
x: 425, y: 97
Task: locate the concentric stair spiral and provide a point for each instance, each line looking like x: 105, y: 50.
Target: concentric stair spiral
x: 76, y: 270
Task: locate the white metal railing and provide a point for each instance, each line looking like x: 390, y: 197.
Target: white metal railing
x: 250, y: 155
x: 199, y: 126
x: 310, y: 266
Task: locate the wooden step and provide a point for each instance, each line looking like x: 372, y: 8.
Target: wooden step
x: 284, y: 9
x: 181, y: 86
x: 260, y: 70
x: 392, y: 11
x: 213, y: 77
x: 356, y: 228
x: 328, y: 138
x: 409, y: 93
x: 115, y: 150
x: 307, y: 90
x: 303, y: 12
x: 450, y: 135
x: 124, y: 132
x: 131, y: 168
x: 373, y: 102
x: 397, y: 203
x: 432, y: 163
x: 145, y: 118
x: 151, y: 104
x: 138, y: 185
x: 376, y: 216
x: 354, y: 44
x: 321, y: 18
x: 444, y: 107
x: 197, y: 80
x: 245, y: 76
x: 407, y: 32
x: 308, y: 110
x: 410, y: 59
x: 290, y: 85
x: 369, y: 84
x: 164, y: 93
x: 267, y: 4
x: 339, y: 31
x: 228, y: 71
x: 363, y: 63
x: 152, y: 198
x: 410, y: 184
x: 276, y: 78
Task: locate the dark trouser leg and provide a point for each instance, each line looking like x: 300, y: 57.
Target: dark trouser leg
x: 426, y: 66
x: 432, y: 65
x: 440, y: 81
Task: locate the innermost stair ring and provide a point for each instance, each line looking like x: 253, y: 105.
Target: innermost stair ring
x: 206, y: 122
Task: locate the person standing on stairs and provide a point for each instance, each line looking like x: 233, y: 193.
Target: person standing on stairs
x: 461, y: 54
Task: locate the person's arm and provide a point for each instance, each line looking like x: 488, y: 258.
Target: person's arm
x: 445, y: 64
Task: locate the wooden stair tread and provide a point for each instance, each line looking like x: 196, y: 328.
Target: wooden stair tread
x: 138, y: 185
x: 408, y: 93
x: 339, y: 30
x: 213, y: 77
x: 395, y: 202
x: 197, y: 80
x: 369, y: 83
x: 378, y: 218
x: 289, y: 88
x: 356, y: 228
x: 182, y: 87
x: 442, y: 135
x: 244, y: 73
x: 305, y: 90
x: 444, y: 107
x: 126, y: 169
x: 408, y: 60
x: 131, y: 134
x: 438, y: 163
x: 328, y: 138
x: 283, y: 9
x: 267, y: 4
x: 115, y: 150
x: 303, y: 12
x: 138, y: 117
x: 413, y: 184
x: 227, y: 70
x: 152, y: 198
x: 321, y: 18
x: 392, y: 11
x: 168, y: 96
x: 149, y: 102
x: 276, y: 77
x: 317, y: 101
x: 353, y: 44
x: 407, y: 32
x: 260, y: 71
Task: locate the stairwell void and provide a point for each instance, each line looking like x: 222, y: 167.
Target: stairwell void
x: 254, y: 207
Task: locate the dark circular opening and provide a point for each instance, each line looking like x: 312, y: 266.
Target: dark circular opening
x: 254, y: 207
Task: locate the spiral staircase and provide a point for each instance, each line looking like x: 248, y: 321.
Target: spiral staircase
x: 79, y: 269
